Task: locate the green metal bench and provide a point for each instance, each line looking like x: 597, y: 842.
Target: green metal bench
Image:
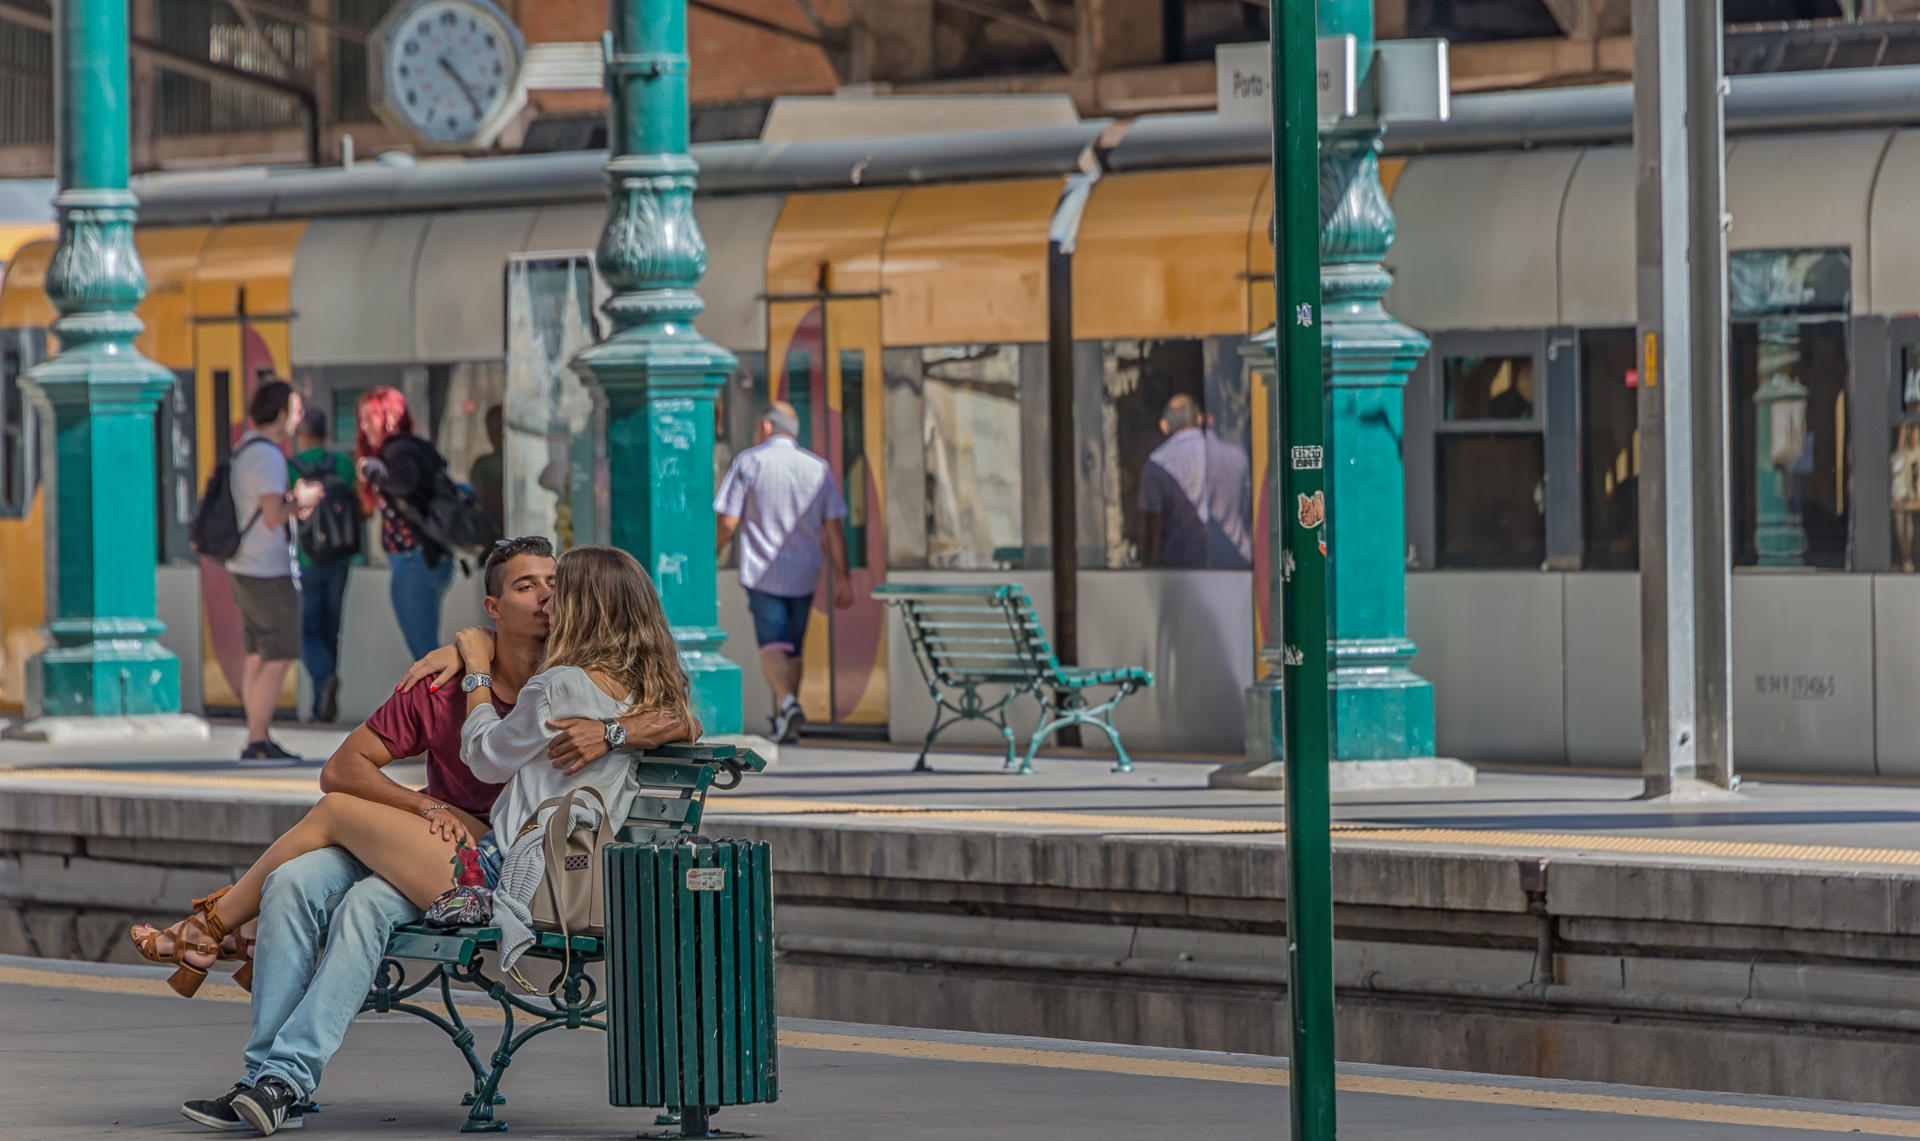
x: 966, y: 637
x: 674, y: 780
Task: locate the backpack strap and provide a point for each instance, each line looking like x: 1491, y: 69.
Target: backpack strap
x: 257, y: 510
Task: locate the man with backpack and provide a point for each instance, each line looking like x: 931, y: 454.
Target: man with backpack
x: 328, y: 538
x: 243, y: 523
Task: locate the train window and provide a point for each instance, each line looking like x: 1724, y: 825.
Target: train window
x: 736, y: 414
x: 1176, y: 479
x: 1489, y: 388
x: 853, y: 452
x: 1609, y: 450
x: 971, y: 432
x: 18, y: 352
x: 1492, y: 513
x: 1787, y: 421
x: 1906, y: 460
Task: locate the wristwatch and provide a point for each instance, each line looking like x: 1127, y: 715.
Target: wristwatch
x: 616, y: 732
x: 474, y: 681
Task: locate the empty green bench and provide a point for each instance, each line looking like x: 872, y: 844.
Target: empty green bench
x: 965, y: 638
x: 674, y: 780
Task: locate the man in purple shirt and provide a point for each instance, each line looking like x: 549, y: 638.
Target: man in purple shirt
x: 782, y: 501
x: 1196, y: 506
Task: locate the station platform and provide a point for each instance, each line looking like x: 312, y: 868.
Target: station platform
x: 99, y: 1050
x: 1542, y: 923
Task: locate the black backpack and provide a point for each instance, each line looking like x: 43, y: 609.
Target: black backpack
x: 453, y: 517
x: 216, y: 531
x: 332, y: 533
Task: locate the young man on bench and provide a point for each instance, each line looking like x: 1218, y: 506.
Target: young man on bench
x: 303, y: 1001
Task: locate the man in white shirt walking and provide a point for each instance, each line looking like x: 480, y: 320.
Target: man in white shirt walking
x: 261, y: 571
x: 783, y: 502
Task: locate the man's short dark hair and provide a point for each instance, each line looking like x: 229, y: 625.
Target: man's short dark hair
x: 505, y: 551
x: 314, y: 424
x: 269, y: 402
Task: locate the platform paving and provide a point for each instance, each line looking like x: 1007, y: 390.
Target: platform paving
x: 96, y: 1051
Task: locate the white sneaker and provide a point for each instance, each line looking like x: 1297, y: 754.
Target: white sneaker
x: 786, y: 723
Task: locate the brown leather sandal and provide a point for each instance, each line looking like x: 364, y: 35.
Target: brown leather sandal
x: 187, y: 978
x: 242, y: 951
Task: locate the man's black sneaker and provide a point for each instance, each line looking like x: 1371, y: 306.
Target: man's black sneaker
x: 267, y: 750
x: 218, y: 1113
x: 268, y: 1106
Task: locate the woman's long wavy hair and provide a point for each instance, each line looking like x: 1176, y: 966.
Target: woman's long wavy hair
x: 607, y: 618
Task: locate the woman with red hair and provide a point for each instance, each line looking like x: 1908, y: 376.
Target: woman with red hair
x: 397, y: 473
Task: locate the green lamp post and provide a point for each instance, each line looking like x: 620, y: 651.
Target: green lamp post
x: 660, y: 376
x: 104, y: 670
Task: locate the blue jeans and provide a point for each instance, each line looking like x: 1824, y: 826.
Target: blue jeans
x: 418, y: 590
x: 323, y: 592
x: 303, y: 1001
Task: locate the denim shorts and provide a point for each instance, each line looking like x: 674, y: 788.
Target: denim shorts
x: 779, y: 622
x: 490, y: 858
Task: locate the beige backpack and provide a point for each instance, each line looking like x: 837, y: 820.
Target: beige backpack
x: 571, y: 899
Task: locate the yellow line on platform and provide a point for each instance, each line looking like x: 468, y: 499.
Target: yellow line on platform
x: 765, y: 806
x: 220, y: 990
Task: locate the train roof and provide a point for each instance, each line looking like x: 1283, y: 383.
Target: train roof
x: 1574, y: 116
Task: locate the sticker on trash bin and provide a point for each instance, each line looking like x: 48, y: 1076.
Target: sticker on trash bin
x: 706, y: 879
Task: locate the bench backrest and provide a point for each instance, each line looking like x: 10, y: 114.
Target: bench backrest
x: 965, y: 633
x: 674, y: 780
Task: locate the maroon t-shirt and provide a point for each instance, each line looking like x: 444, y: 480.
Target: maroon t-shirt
x: 417, y: 722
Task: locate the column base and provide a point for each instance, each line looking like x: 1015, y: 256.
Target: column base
x: 1350, y: 776
x: 715, y: 680
x: 767, y: 747
x: 1376, y: 710
x: 126, y: 677
x: 1688, y: 790
x: 149, y: 729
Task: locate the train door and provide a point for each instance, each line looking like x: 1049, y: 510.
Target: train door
x: 232, y: 355
x: 827, y: 365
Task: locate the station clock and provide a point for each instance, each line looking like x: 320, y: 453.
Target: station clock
x: 446, y: 73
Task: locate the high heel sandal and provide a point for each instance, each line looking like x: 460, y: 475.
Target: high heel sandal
x: 186, y: 979
x: 243, y: 946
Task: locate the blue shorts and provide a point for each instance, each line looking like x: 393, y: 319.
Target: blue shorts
x: 490, y: 858
x: 779, y: 622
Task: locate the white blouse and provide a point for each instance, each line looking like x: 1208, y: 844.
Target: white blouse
x: 513, y: 750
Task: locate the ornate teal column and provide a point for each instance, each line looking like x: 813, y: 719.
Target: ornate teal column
x: 103, y: 671
x: 1383, y: 711
x: 661, y: 377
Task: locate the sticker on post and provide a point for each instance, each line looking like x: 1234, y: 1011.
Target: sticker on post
x: 1308, y: 458
x: 1286, y: 566
x: 1290, y: 656
x: 1303, y: 315
x: 1313, y: 510
x: 706, y: 879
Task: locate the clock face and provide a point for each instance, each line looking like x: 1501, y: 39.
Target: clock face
x: 450, y: 68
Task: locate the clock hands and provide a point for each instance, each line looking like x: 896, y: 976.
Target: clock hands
x: 465, y: 89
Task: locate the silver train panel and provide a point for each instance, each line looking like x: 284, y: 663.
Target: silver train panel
x: 371, y: 640
x: 1492, y: 644
x: 1596, y: 260
x: 457, y: 309
x: 1806, y: 190
x: 1477, y: 243
x: 1603, y: 669
x: 1803, y: 650
x: 1894, y: 228
x: 1896, y: 660
x: 352, y: 290
x: 176, y: 598
x: 756, y: 697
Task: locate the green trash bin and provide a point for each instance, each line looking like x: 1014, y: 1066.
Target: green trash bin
x: 690, y: 1014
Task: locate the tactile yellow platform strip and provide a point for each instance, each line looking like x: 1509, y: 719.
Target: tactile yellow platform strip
x: 139, y: 778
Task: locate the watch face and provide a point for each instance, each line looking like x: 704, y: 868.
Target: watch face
x: 450, y: 69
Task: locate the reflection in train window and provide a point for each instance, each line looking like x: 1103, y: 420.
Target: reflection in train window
x: 1490, y: 496
x: 1906, y: 461
x: 20, y: 349
x: 1787, y: 439
x: 971, y: 433
x: 1489, y: 388
x: 1175, y: 478
x: 736, y: 415
x: 1609, y: 450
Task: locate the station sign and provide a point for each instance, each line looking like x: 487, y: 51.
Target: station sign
x: 1408, y: 81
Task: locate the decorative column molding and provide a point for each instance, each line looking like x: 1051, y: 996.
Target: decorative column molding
x: 104, y: 673
x: 660, y: 376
